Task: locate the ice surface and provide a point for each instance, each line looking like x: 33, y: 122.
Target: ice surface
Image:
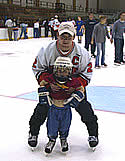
x: 16, y: 78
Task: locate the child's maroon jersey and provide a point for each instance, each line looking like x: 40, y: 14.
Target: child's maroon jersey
x: 65, y: 90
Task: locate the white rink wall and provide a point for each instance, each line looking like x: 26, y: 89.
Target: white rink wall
x: 4, y: 33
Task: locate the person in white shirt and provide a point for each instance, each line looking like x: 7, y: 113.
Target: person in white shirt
x: 51, y: 26
x: 9, y: 25
x: 36, y: 29
x: 56, y: 24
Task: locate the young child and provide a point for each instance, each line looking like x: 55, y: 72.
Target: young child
x: 65, y: 93
x: 79, y: 29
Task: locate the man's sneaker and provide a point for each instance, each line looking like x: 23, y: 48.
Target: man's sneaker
x: 97, y: 67
x: 123, y: 62
x: 50, y: 145
x: 117, y: 63
x: 79, y: 41
x: 64, y: 145
x: 104, y: 65
x: 32, y: 140
x: 93, y: 55
x: 93, y: 141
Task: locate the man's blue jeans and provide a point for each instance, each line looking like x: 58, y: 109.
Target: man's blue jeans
x: 36, y: 32
x: 100, y: 46
x: 119, y: 44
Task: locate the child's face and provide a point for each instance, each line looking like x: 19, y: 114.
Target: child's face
x: 103, y: 21
x: 63, y: 72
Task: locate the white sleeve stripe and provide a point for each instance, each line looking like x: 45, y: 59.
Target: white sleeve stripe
x: 38, y: 75
x: 84, y: 77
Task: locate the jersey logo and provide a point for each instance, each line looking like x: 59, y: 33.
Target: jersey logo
x: 35, y: 63
x: 75, y: 60
x: 89, y: 70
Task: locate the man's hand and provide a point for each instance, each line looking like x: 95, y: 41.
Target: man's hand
x: 111, y: 40
x: 75, y: 99
x: 44, y: 96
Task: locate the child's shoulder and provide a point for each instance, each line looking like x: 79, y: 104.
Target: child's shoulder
x: 50, y: 78
x: 74, y: 82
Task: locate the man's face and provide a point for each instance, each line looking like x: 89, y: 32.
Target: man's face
x: 65, y: 41
x: 122, y: 17
x: 91, y: 16
x: 103, y: 21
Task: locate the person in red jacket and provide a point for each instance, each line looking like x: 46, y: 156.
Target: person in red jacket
x: 69, y: 95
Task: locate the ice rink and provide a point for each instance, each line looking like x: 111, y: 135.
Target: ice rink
x: 18, y: 98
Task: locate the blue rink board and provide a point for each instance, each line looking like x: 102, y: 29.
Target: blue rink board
x: 104, y: 98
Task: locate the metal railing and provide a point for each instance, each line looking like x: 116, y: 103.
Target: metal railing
x: 59, y: 6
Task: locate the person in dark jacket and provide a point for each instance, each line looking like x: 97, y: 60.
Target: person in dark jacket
x: 46, y: 25
x: 117, y: 35
x: 89, y: 26
x: 15, y: 29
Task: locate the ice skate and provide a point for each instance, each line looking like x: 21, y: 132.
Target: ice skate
x: 93, y: 55
x: 104, y: 65
x: 93, y: 142
x: 117, y: 63
x: 64, y: 145
x: 49, y: 146
x: 32, y: 141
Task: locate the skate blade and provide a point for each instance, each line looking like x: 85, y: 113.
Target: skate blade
x: 47, y: 154
x: 93, y: 148
x: 33, y: 149
x: 117, y: 64
x: 64, y: 153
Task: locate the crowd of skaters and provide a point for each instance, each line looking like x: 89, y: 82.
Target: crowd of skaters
x: 95, y: 34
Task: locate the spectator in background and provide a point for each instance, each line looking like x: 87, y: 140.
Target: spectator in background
x: 23, y: 30
x: 46, y: 26
x: 99, y: 34
x: 79, y: 29
x: 15, y: 29
x: 89, y: 26
x: 36, y: 29
x: 111, y: 27
x: 9, y: 25
x: 71, y: 20
x: 51, y: 26
x: 1, y: 22
x: 56, y: 24
x: 117, y: 35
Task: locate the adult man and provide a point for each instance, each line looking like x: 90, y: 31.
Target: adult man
x: 9, y: 24
x: 82, y: 70
x: 51, y: 26
x: 15, y: 29
x: 56, y: 24
x: 89, y: 26
x: 117, y: 35
x: 100, y: 33
x: 36, y: 29
x: 23, y: 30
